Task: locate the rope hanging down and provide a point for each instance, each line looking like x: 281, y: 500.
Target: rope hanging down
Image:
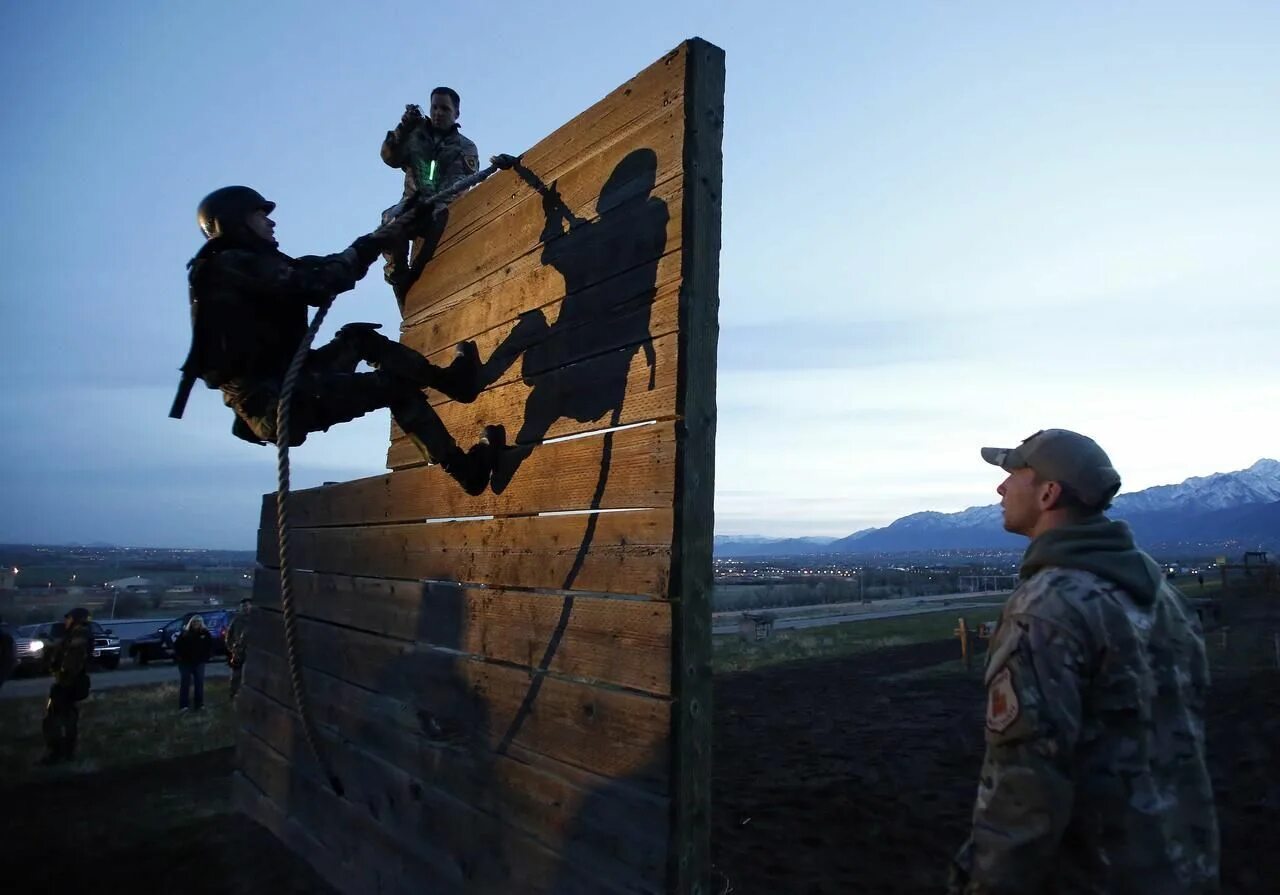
x: 282, y: 492
x: 282, y: 530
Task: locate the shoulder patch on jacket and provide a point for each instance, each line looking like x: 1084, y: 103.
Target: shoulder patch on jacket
x: 1002, y: 702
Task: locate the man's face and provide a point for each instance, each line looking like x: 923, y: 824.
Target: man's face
x: 1021, y: 499
x: 245, y: 607
x: 262, y: 226
x: 443, y: 112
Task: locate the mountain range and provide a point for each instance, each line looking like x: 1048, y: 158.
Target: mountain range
x: 1223, y: 512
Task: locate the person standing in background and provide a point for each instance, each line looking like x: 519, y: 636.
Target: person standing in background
x: 192, y: 649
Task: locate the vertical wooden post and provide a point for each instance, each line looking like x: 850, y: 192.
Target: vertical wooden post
x: 691, y: 573
x: 963, y: 631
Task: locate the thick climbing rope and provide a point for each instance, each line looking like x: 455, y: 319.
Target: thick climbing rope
x: 282, y: 502
x: 282, y: 534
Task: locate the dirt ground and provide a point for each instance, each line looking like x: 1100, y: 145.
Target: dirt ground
x: 835, y: 777
x: 838, y: 776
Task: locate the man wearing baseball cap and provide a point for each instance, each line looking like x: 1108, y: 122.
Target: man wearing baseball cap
x: 1094, y: 778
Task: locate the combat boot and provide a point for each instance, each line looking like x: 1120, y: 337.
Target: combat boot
x: 459, y: 381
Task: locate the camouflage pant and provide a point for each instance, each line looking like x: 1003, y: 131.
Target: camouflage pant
x: 320, y: 400
x: 237, y: 676
x: 61, y: 723
x: 328, y: 391
x: 401, y: 271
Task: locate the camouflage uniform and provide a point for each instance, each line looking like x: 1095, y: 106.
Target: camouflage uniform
x: 1094, y: 779
x: 68, y: 661
x: 237, y: 647
x: 412, y: 146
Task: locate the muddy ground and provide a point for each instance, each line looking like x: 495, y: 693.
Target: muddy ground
x: 839, y: 776
x: 845, y: 777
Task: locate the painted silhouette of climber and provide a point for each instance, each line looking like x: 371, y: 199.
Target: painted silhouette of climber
x: 249, y: 315
x: 583, y: 254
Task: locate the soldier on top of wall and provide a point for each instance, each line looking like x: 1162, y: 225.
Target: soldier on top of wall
x: 434, y: 156
x: 249, y: 314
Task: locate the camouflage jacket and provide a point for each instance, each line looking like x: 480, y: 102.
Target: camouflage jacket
x: 70, y: 656
x: 1094, y: 779
x: 249, y: 307
x: 237, y: 638
x: 413, y: 147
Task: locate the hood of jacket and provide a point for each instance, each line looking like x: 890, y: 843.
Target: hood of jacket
x: 1101, y: 546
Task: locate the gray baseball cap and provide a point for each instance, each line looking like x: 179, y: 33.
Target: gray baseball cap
x: 1060, y: 455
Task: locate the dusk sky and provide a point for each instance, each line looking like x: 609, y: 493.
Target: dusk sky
x: 945, y: 225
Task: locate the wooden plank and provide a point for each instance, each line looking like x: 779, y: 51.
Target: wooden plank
x: 550, y: 799
x: 622, y: 553
x: 585, y: 397
x: 600, y: 188
x: 486, y: 705
x: 250, y: 800
x: 527, y: 284
x: 366, y: 856
x: 639, y: 467
x: 606, y: 823
x: 616, y: 642
x: 466, y: 840
x: 613, y: 302
x: 691, y: 572
x: 594, y: 819
x: 617, y: 118
x: 626, y: 309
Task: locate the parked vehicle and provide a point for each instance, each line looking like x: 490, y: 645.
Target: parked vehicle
x: 158, y: 645
x: 33, y: 643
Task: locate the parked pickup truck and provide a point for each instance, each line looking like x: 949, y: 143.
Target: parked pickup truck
x: 34, y: 642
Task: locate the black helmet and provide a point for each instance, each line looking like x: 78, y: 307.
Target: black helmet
x: 79, y: 615
x: 224, y: 211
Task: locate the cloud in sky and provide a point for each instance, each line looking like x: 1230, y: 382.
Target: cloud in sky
x: 941, y: 230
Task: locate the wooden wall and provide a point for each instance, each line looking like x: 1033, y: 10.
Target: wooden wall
x: 518, y: 702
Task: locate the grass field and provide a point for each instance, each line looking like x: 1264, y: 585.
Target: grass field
x: 731, y: 653
x: 118, y: 727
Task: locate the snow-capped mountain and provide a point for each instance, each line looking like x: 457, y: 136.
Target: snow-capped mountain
x: 1260, y: 483
x: 1215, y: 511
